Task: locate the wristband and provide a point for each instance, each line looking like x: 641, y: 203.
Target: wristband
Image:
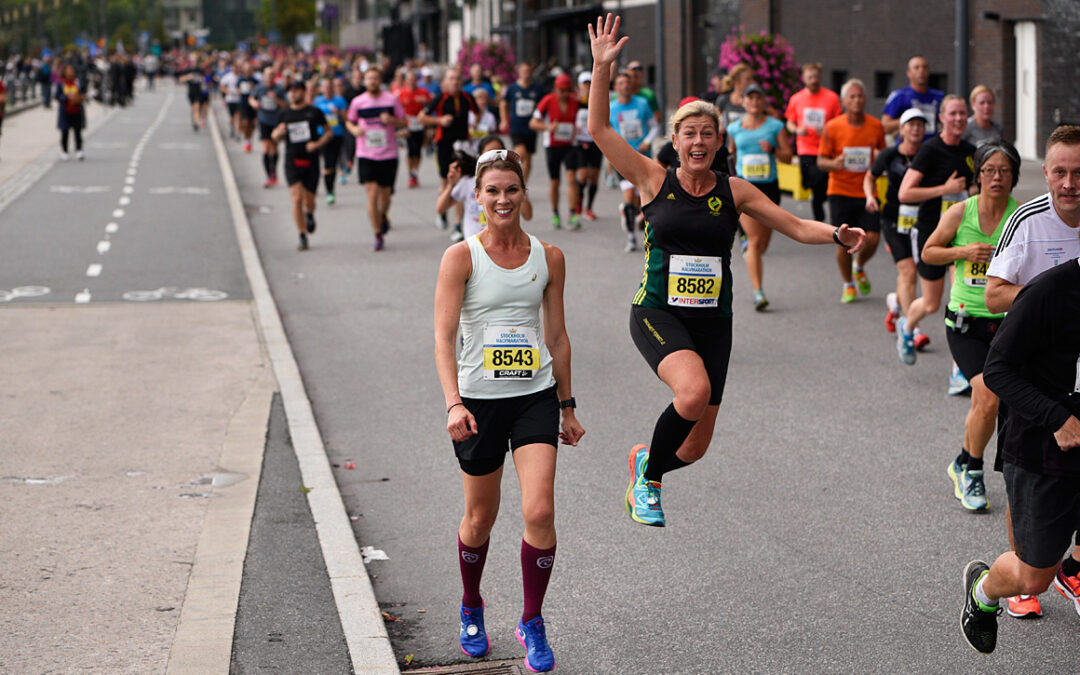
x: 836, y: 237
x: 453, y: 406
x: 568, y: 403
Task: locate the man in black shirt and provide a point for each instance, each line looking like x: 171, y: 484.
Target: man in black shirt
x: 304, y: 129
x: 1034, y: 367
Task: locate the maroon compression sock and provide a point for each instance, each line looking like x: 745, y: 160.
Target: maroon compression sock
x: 471, y: 560
x: 536, y: 567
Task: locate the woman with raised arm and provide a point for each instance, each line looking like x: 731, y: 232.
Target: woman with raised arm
x: 503, y: 289
x: 680, y: 318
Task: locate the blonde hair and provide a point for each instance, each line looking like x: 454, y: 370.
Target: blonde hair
x: 853, y: 82
x: 980, y: 89
x: 695, y: 109
x: 949, y: 99
x: 728, y: 83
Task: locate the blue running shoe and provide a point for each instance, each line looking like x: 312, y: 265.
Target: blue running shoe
x: 538, y: 655
x: 643, y: 496
x: 474, y: 639
x: 905, y: 342
x: 958, y: 384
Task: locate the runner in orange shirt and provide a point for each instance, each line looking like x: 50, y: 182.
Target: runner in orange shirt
x: 807, y: 112
x: 847, y: 150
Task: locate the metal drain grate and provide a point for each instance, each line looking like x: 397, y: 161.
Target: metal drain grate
x: 485, y: 668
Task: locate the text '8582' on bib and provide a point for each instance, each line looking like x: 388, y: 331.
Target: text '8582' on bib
x: 694, y: 281
x: 510, y: 353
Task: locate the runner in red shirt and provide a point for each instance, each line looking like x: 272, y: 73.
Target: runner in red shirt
x: 808, y: 110
x: 556, y: 117
x: 413, y: 98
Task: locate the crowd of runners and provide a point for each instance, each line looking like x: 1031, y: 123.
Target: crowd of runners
x: 932, y: 178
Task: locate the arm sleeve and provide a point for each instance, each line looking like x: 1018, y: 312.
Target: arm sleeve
x: 1022, y: 335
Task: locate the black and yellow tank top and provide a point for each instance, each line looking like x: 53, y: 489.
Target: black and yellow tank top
x: 688, y: 243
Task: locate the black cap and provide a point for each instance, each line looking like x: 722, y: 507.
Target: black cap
x: 753, y: 88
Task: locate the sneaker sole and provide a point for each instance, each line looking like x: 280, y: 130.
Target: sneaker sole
x: 630, y: 492
x: 955, y: 480
x: 964, y: 585
x: 1026, y: 616
x: 521, y: 639
x: 1065, y: 593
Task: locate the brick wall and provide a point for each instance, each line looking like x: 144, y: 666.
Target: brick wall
x: 1059, y: 66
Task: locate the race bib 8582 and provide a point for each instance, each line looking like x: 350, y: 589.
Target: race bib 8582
x: 694, y: 281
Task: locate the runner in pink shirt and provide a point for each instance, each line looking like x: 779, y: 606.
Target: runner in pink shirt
x: 374, y: 118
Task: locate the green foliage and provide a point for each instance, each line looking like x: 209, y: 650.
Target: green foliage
x: 289, y: 17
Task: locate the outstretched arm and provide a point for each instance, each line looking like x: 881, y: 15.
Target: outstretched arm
x: 643, y: 172
x: 753, y: 202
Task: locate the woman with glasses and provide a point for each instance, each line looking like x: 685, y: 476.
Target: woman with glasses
x: 503, y: 288
x: 966, y: 237
x: 680, y: 320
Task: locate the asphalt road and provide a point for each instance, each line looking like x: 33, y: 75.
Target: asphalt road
x: 819, y: 534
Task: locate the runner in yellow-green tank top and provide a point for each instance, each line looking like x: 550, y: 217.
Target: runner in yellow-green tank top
x: 967, y: 236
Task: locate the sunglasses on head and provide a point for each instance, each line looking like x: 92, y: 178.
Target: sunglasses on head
x: 496, y: 155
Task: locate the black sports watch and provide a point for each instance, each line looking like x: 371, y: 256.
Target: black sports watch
x: 568, y: 403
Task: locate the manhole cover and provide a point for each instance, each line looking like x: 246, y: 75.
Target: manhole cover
x: 485, y: 668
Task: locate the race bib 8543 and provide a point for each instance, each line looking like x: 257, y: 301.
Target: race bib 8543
x: 510, y: 353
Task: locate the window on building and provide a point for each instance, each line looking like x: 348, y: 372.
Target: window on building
x: 839, y: 77
x: 883, y: 84
x: 939, y: 81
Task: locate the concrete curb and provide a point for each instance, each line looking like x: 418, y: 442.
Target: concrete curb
x: 358, y: 610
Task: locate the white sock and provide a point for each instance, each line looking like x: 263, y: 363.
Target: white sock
x: 981, y: 596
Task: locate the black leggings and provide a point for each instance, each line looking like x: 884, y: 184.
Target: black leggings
x: 64, y: 138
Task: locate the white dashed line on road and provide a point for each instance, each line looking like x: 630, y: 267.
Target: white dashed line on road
x: 103, y: 246
x: 93, y: 270
x: 112, y: 228
x: 124, y: 201
x: 83, y: 296
x: 118, y: 213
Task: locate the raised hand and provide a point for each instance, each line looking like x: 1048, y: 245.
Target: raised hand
x: 606, y: 44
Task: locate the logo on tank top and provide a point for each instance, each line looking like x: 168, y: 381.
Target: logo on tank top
x: 714, y: 205
x: 469, y: 557
x: 671, y: 196
x: 545, y: 562
x: 970, y: 162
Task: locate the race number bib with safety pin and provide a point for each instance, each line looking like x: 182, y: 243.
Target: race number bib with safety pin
x: 375, y: 139
x: 510, y: 353
x: 756, y: 166
x: 299, y: 132
x: 414, y: 123
x: 857, y: 158
x: 524, y: 107
x: 564, y: 132
x: 949, y: 200
x: 814, y: 118
x: 975, y: 273
x: 245, y: 87
x: 906, y: 218
x: 631, y: 128
x: 694, y: 281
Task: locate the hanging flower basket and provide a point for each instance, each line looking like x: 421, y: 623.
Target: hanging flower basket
x: 495, y: 57
x: 771, y: 59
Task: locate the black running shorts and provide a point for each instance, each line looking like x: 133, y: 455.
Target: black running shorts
x: 307, y: 175
x: 585, y: 156
x: 381, y: 172
x: 1045, y: 514
x: 556, y: 157
x: 852, y: 210
x: 926, y: 270
x: 969, y: 349
x: 507, y: 423
x: 898, y: 243
x: 526, y: 139
x: 658, y: 333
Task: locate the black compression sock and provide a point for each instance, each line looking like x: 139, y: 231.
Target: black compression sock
x: 273, y: 163
x: 1071, y: 566
x: 675, y: 463
x: 592, y: 194
x: 670, y: 432
x: 975, y: 464
x: 328, y: 181
x: 266, y: 164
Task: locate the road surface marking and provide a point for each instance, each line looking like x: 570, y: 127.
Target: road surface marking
x: 94, y: 270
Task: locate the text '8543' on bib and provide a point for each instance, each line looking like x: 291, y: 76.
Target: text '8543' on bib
x: 694, y: 281
x: 510, y: 353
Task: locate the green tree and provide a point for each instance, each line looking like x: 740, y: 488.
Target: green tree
x: 289, y: 17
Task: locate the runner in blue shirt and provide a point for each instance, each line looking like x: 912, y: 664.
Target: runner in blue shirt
x: 917, y: 94
x: 515, y: 110
x: 632, y: 118
x: 333, y: 107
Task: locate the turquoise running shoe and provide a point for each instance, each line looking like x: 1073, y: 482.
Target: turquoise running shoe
x: 538, y: 655
x: 905, y: 343
x: 474, y: 639
x: 643, y: 496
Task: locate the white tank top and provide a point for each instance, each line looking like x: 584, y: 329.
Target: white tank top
x: 503, y: 352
